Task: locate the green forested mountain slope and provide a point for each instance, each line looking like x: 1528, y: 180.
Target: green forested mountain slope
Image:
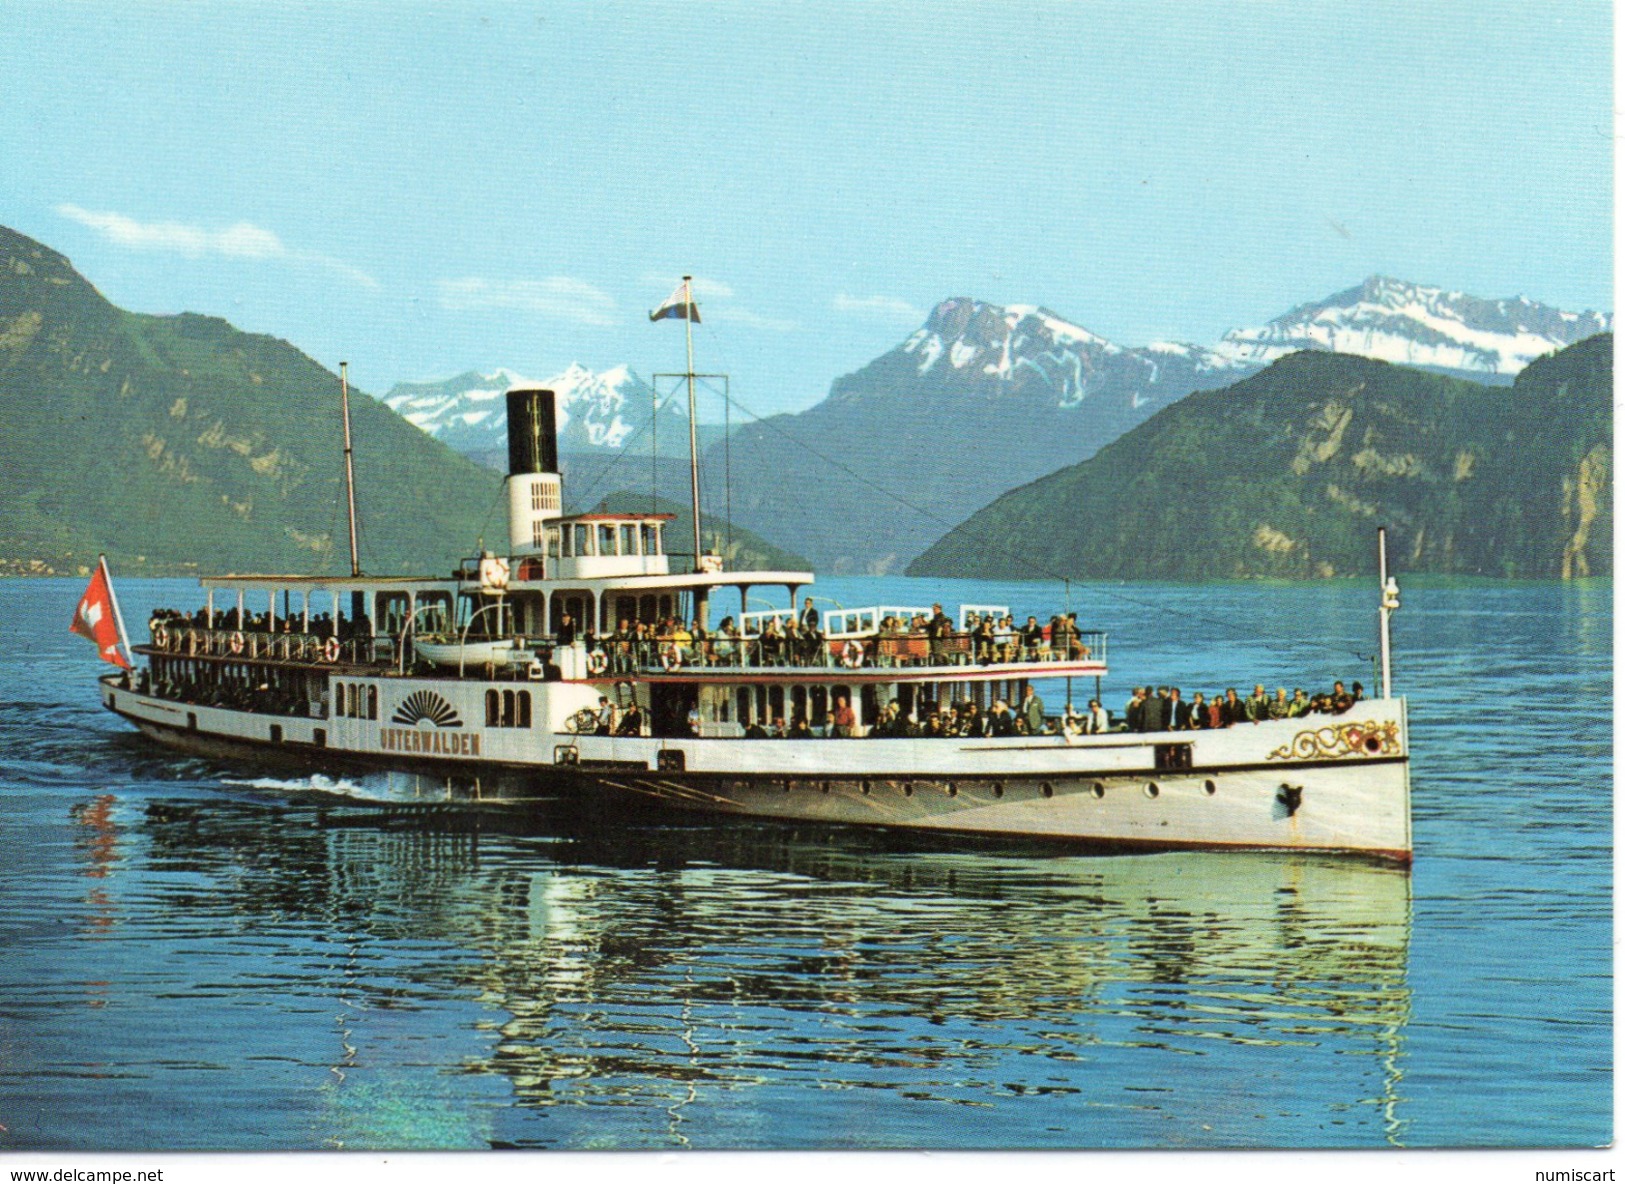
x: 1288, y: 473
x: 179, y: 443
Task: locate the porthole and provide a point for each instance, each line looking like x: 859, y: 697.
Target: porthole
x: 908, y: 789
x: 1373, y: 745
x: 865, y: 786
x: 1047, y: 790
x: 824, y: 785
x: 1098, y: 789
x: 1152, y: 789
x: 953, y: 790
x: 998, y: 789
x: 1210, y: 788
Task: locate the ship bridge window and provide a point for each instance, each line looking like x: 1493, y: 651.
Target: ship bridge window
x: 629, y: 538
x: 583, y: 540
x: 651, y: 538
x: 552, y: 542
x: 606, y: 538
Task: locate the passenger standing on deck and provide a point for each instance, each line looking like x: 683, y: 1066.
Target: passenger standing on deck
x: 1179, y: 714
x: 1032, y: 710
x: 606, y: 717
x: 1154, y: 713
x: 1134, y: 713
x: 1258, y: 705
x: 937, y: 630
x: 1099, y: 721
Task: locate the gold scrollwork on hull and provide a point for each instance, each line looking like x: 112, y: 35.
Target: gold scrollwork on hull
x: 1370, y: 738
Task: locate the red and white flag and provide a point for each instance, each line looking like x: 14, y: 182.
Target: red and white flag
x: 97, y: 617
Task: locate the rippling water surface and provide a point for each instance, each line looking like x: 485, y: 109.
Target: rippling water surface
x: 195, y: 956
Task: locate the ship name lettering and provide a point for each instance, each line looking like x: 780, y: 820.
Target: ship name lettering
x: 431, y: 743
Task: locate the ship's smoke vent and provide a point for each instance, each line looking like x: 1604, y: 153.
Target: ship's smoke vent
x: 533, y: 444
x: 535, y: 493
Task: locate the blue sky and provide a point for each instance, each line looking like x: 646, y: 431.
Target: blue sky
x: 423, y: 189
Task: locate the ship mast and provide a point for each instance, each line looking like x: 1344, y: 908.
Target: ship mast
x: 693, y: 439
x: 349, y: 462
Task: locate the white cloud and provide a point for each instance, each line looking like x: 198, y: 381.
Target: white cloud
x: 751, y: 320
x: 704, y: 289
x: 886, y: 306
x: 557, y: 296
x: 241, y: 240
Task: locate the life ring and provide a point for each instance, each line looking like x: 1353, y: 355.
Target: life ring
x: 160, y: 636
x: 330, y: 651
x: 852, y: 656
x: 237, y: 641
x: 671, y: 659
x: 597, y: 662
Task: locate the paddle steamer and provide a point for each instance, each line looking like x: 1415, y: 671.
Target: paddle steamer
x: 493, y: 681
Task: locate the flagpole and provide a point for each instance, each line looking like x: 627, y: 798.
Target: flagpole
x: 118, y: 616
x: 693, y: 439
x: 349, y: 465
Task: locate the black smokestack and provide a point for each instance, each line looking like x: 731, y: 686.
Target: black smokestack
x: 533, y: 444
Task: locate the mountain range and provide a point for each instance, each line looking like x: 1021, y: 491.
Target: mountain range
x: 983, y: 398
x: 178, y: 443
x: 1287, y: 474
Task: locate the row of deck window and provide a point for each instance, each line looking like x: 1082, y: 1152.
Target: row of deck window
x: 355, y: 700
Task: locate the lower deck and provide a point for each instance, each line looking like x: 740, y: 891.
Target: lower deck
x: 1321, y: 783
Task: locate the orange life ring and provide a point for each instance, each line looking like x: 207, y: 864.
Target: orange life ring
x: 852, y: 656
x: 671, y: 659
x: 597, y: 662
x: 237, y: 642
x: 160, y: 636
x: 330, y: 651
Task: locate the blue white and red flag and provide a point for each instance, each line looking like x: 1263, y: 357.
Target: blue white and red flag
x: 678, y: 306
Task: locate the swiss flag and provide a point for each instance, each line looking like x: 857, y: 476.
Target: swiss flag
x: 96, y: 619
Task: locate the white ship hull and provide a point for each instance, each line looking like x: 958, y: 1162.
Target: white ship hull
x: 1320, y: 783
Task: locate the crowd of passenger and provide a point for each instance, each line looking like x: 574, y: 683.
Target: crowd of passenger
x: 263, y: 697
x: 799, y: 640
x: 1162, y: 709
x: 230, y: 620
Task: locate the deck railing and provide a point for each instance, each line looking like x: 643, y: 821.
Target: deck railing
x: 653, y: 656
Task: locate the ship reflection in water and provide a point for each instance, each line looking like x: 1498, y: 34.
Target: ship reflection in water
x: 759, y: 986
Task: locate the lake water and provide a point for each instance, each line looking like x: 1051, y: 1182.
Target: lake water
x: 190, y: 959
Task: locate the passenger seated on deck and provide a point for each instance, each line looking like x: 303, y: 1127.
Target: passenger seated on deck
x: 1341, y: 699
x: 725, y: 642
x: 755, y: 731
x: 1032, y: 640
x: 632, y: 722
x: 771, y: 643
x: 799, y: 729
x: 1002, y: 721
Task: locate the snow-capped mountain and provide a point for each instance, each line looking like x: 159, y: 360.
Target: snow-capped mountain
x: 597, y: 409
x: 1417, y: 325
x: 1029, y: 349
